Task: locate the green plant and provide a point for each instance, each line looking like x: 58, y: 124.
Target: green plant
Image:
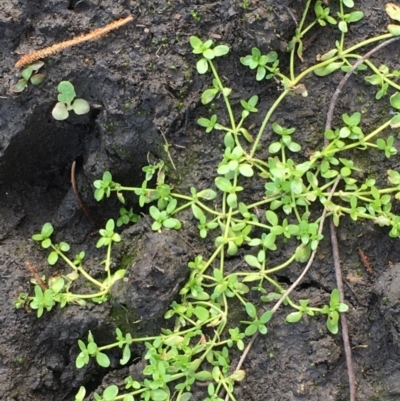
x: 30, y: 74
x: 196, y: 15
x: 246, y: 4
x: 297, y: 193
x: 57, y: 290
x: 332, y: 310
x: 208, y: 53
x: 284, y: 213
x: 68, y: 102
x: 256, y: 60
x: 127, y: 216
x: 178, y: 357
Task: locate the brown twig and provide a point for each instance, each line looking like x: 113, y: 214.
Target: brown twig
x: 36, y: 275
x: 366, y: 262
x: 294, y: 285
x: 78, y: 196
x: 94, y: 35
x: 343, y: 320
x: 334, y: 241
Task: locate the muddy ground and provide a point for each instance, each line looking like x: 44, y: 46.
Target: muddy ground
x: 141, y: 83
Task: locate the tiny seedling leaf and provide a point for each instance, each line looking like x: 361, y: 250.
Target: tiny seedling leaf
x: 202, y: 66
x: 67, y: 92
x: 251, y: 310
x: 294, y: 317
x: 208, y: 95
x: 20, y: 86
x: 252, y: 261
x: 208, y: 194
x: 26, y: 74
x: 394, y: 29
x: 393, y: 11
x: 395, y: 100
x: 37, y: 79
x: 110, y: 393
x: 195, y: 42
x: 52, y: 258
x: 328, y: 69
x: 126, y: 355
x: 201, y: 313
x: 221, y: 50
x: 251, y: 277
x: 102, y: 359
x: 80, y: 106
x: 60, y: 112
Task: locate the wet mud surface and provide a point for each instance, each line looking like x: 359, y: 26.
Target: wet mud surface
x: 141, y: 83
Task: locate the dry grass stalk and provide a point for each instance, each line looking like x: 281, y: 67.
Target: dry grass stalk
x: 35, y: 274
x: 94, y: 35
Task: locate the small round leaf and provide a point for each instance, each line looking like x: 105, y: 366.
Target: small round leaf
x: 60, y: 112
x: 67, y: 92
x: 102, y: 359
x: 37, y: 79
x: 221, y: 50
x: 110, y: 393
x: 395, y: 100
x: 52, y: 258
x: 202, y: 66
x: 80, y: 106
x: 20, y: 86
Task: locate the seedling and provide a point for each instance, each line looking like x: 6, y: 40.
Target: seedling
x: 246, y: 4
x: 332, y: 310
x: 126, y: 217
x: 30, y: 74
x: 58, y: 287
x: 67, y: 102
x: 260, y: 62
x: 196, y: 15
x: 207, y: 51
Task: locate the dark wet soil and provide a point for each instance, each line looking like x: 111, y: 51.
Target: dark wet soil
x: 141, y: 83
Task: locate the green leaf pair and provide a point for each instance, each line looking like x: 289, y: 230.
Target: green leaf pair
x: 258, y: 324
x: 67, y: 102
x: 30, y: 74
x: 258, y: 61
x: 208, y: 53
x: 91, y: 350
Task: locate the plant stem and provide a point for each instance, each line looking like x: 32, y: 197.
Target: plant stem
x: 221, y: 87
x: 80, y: 269
x: 265, y: 121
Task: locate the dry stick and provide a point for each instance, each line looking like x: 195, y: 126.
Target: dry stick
x: 334, y: 241
x: 294, y: 285
x: 35, y: 274
x: 94, y: 35
x: 343, y: 320
x: 78, y: 196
